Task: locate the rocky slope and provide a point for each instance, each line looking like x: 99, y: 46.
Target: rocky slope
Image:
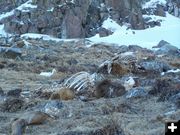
x: 143, y: 95
x: 54, y: 17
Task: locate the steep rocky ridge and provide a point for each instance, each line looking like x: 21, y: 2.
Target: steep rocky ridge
x: 55, y: 17
x: 79, y: 18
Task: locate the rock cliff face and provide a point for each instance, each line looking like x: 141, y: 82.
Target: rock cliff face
x: 72, y: 19
x: 79, y: 18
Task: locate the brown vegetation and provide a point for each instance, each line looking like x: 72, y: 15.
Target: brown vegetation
x: 63, y: 94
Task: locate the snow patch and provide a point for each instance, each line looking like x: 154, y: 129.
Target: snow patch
x: 111, y: 25
x: 25, y: 7
x: 153, y: 3
x: 44, y: 37
x: 168, y: 31
x: 3, y: 33
x: 51, y: 10
x: 7, y: 14
x: 171, y: 71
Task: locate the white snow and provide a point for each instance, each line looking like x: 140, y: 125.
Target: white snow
x: 44, y: 37
x: 7, y: 14
x: 48, y: 74
x: 153, y: 3
x: 51, y: 10
x: 127, y: 53
x: 3, y: 33
x: 171, y: 71
x: 25, y: 7
x: 168, y: 31
x: 111, y: 25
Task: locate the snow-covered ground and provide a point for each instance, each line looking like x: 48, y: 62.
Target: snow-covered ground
x: 168, y: 31
x: 153, y: 3
x: 44, y: 37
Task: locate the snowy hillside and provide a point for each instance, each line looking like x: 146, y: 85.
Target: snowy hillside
x: 169, y: 31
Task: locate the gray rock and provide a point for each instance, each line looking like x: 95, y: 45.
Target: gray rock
x: 175, y: 98
x: 173, y: 7
x: 1, y: 92
x: 11, y: 104
x: 160, y: 11
x: 72, y: 29
x: 73, y: 20
x: 166, y: 87
x: 166, y: 48
x: 155, y: 66
x: 136, y: 93
x: 10, y: 52
x: 104, y: 32
x: 14, y: 93
x: 52, y: 107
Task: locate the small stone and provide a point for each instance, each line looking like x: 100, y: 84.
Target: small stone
x: 10, y: 52
x: 136, y: 92
x: 1, y: 92
x: 20, y: 43
x: 14, y: 93
x: 12, y: 104
x: 104, y: 32
x: 2, y: 65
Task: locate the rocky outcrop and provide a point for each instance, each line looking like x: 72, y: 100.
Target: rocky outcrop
x: 8, y: 5
x: 174, y: 7
x: 126, y: 11
x: 77, y: 19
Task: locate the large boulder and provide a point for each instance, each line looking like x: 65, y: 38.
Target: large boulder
x: 174, y: 7
x: 166, y: 48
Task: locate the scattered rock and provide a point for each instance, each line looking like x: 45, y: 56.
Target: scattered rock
x: 1, y: 92
x: 2, y: 65
x: 10, y: 52
x: 136, y: 93
x: 104, y: 32
x: 11, y: 104
x: 20, y: 43
x: 155, y: 66
x: 160, y: 11
x: 14, y: 93
x: 51, y: 107
x: 175, y: 99
x: 87, y: 18
x: 166, y: 48
x: 165, y: 87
